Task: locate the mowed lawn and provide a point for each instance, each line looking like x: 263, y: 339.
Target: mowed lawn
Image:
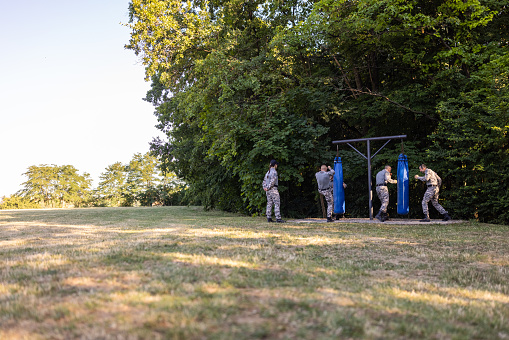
x: 183, y: 273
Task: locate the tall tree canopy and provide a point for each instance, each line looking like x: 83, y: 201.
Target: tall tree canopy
x: 236, y: 83
x: 140, y: 182
x: 112, y: 185
x: 56, y: 186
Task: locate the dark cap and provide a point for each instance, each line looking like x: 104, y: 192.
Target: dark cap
x: 273, y: 162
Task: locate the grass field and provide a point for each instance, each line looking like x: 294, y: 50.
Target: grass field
x: 183, y: 273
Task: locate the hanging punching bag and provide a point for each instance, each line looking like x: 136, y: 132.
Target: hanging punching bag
x: 403, y: 185
x: 339, y: 191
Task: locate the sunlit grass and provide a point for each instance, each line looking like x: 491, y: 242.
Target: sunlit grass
x: 183, y: 273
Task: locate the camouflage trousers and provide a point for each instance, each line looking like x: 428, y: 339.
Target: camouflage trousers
x: 273, y: 199
x: 383, y: 195
x: 327, y: 193
x: 431, y: 194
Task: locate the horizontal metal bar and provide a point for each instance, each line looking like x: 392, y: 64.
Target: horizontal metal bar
x: 366, y: 139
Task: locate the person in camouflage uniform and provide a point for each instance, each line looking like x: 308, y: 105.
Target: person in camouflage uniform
x: 382, y: 178
x: 433, y: 182
x: 323, y: 177
x: 270, y: 185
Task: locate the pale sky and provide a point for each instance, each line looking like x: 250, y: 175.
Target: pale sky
x: 70, y: 94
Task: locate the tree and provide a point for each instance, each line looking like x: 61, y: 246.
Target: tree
x: 236, y: 83
x: 52, y: 185
x: 225, y: 126
x: 434, y: 67
x: 17, y: 202
x: 141, y: 175
x: 472, y: 143
x: 138, y: 182
x: 111, y: 185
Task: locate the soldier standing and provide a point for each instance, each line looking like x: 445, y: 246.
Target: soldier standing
x: 323, y: 177
x: 270, y: 185
x: 433, y: 181
x: 382, y: 178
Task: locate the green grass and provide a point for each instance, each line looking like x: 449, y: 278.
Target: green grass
x: 183, y: 273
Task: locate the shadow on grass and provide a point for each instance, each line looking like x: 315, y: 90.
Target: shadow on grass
x: 191, y: 274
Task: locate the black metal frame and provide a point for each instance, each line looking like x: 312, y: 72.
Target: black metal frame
x: 369, y: 158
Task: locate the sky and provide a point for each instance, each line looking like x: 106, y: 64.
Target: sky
x: 70, y: 93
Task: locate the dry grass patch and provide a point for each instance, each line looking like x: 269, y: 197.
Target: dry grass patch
x: 183, y: 273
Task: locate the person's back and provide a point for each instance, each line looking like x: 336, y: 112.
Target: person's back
x: 323, y: 179
x: 324, y: 187
x: 380, y: 177
x: 271, y: 179
x: 384, y: 176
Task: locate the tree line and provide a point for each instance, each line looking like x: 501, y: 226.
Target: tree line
x: 140, y: 182
x: 236, y: 83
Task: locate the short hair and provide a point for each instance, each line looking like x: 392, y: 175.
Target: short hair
x: 388, y: 166
x: 423, y: 166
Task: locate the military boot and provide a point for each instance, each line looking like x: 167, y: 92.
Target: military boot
x: 269, y: 220
x: 379, y: 215
x: 329, y: 219
x: 446, y: 217
x: 280, y: 221
x: 425, y: 219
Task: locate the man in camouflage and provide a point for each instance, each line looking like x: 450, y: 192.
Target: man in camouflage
x: 433, y: 181
x: 382, y: 178
x: 323, y: 177
x: 270, y: 185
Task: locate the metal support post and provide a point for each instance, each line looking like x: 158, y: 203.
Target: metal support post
x: 370, y: 191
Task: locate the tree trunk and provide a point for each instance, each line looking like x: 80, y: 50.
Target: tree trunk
x: 358, y: 80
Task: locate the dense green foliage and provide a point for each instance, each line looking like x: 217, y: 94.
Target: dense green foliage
x: 472, y: 143
x: 17, y: 201
x: 237, y: 83
x: 56, y: 186
x: 140, y: 182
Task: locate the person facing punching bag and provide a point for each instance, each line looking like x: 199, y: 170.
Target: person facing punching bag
x: 339, y: 188
x: 403, y: 185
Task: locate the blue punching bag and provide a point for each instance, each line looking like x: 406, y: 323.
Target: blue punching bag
x: 403, y: 185
x: 339, y: 191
